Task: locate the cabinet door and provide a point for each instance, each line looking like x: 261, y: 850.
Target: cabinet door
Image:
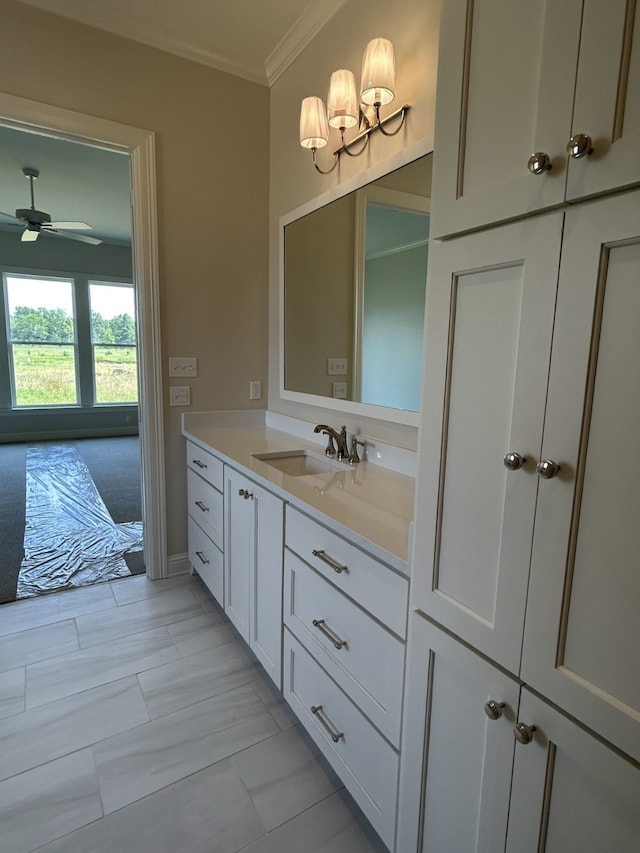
x: 506, y: 77
x: 607, y: 100
x: 582, y: 630
x: 237, y: 549
x: 454, y: 790
x: 570, y: 792
x: 265, y: 610
x: 489, y: 320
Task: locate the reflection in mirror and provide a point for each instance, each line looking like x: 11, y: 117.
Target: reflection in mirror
x: 355, y: 276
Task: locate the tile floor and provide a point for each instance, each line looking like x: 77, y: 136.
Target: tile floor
x: 132, y: 717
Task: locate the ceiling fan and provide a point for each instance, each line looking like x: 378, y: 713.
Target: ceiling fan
x: 37, y: 221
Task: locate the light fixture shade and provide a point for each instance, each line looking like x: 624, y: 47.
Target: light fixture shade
x: 314, y: 130
x: 342, y: 103
x: 378, y: 73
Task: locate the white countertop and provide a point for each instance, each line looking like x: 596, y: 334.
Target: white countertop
x: 369, y: 504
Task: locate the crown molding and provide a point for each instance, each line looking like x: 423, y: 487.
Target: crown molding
x: 128, y: 26
x: 125, y: 25
x: 308, y: 25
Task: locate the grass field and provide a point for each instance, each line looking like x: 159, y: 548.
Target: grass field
x: 45, y: 375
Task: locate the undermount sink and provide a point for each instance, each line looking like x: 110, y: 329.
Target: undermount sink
x: 299, y: 463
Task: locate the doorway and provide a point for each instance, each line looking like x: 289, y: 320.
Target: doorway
x: 42, y: 119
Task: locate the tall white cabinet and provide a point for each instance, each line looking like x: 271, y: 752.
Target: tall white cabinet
x: 522, y: 728
x: 517, y: 79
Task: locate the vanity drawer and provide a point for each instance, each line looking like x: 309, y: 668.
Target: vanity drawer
x: 374, y: 586
x: 360, y: 756
x: 206, y: 507
x: 365, y: 659
x: 207, y: 560
x: 206, y: 464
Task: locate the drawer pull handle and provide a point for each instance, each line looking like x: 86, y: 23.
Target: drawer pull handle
x: 337, y: 567
x: 198, y: 463
x: 322, y: 627
x: 335, y: 736
x: 200, y: 555
x: 202, y: 506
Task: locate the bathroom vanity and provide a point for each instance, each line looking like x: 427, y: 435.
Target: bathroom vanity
x: 309, y: 558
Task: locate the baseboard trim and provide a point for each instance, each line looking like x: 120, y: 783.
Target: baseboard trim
x: 178, y: 564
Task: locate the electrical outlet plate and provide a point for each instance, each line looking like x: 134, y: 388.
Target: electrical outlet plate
x: 255, y: 389
x: 340, y: 390
x: 183, y: 367
x: 180, y: 395
x: 336, y: 367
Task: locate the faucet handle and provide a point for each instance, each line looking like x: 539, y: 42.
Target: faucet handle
x: 353, y: 456
x: 330, y: 449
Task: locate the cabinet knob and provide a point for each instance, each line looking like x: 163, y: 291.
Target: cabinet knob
x: 580, y: 145
x: 493, y: 709
x: 547, y: 469
x: 539, y: 163
x: 523, y: 733
x: 514, y: 461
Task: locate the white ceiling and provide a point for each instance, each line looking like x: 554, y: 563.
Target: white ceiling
x: 253, y: 39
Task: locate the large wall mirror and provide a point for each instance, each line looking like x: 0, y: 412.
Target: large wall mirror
x: 354, y: 292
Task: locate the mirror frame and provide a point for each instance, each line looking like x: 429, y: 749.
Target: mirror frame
x: 382, y: 413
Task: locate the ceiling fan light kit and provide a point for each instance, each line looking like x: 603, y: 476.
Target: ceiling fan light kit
x: 37, y: 221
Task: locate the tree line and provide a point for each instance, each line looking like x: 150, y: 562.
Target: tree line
x: 54, y: 325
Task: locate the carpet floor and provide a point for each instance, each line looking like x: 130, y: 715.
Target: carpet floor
x: 114, y: 465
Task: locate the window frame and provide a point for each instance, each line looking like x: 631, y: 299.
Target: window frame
x: 108, y: 282
x: 83, y: 344
x: 11, y: 343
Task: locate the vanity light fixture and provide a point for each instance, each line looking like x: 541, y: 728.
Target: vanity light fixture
x: 343, y: 109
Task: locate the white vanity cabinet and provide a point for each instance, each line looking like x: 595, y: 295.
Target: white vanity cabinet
x: 205, y: 524
x: 547, y: 73
x: 552, y: 788
x: 345, y: 627
x: 254, y: 526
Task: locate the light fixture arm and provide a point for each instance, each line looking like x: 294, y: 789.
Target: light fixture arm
x: 380, y: 123
x: 324, y: 171
x: 346, y: 146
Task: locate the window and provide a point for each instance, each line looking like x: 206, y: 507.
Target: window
x: 70, y: 342
x: 113, y: 339
x: 42, y: 341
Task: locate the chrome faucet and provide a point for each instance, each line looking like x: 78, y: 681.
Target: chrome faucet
x: 340, y: 439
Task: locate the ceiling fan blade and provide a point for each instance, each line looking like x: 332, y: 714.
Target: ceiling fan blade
x: 82, y: 238
x: 29, y: 235
x: 9, y: 215
x: 69, y: 226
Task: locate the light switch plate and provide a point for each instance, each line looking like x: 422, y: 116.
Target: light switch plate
x: 180, y: 395
x: 183, y: 367
x: 336, y: 367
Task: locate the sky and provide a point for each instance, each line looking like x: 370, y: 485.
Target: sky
x: 55, y: 293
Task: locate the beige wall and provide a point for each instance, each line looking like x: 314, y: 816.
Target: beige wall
x: 212, y: 187
x: 413, y: 27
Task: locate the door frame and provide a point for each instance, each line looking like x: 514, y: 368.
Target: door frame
x: 139, y: 144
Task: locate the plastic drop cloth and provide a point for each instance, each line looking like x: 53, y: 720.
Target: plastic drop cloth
x: 70, y: 539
